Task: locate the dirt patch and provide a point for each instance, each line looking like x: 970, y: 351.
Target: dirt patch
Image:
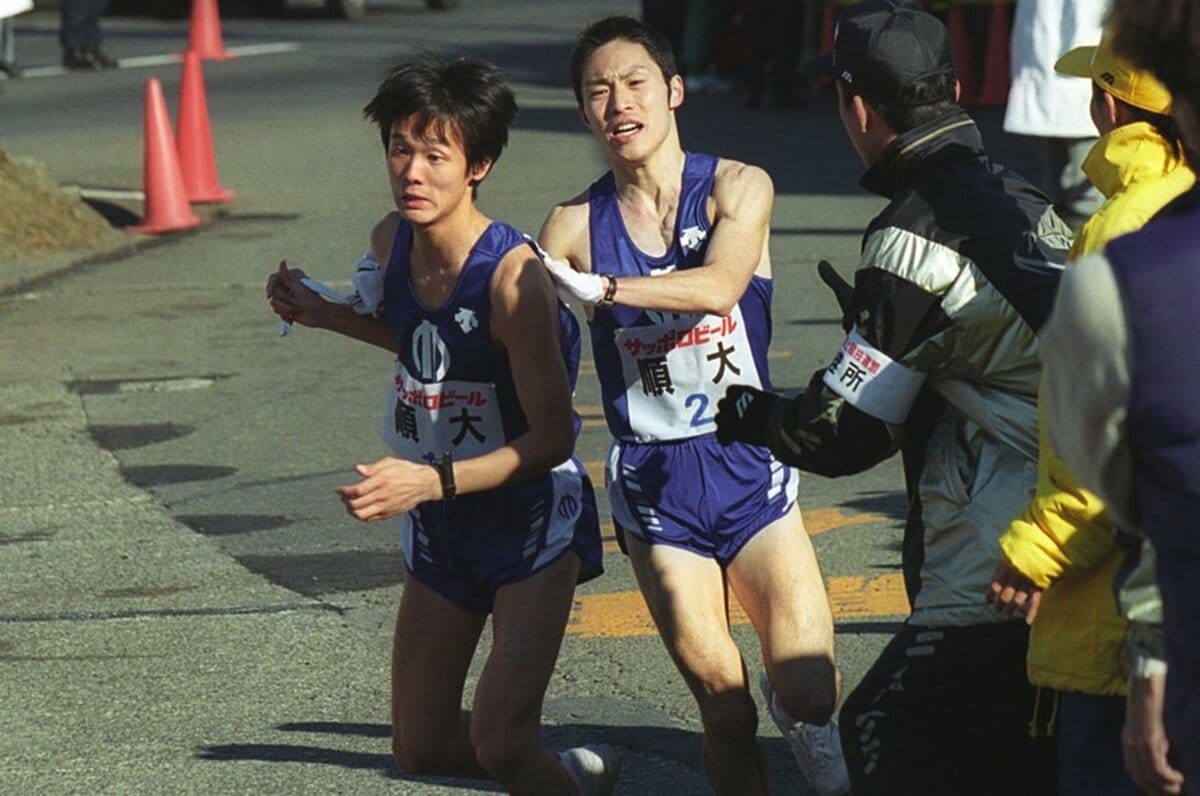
x: 38, y: 218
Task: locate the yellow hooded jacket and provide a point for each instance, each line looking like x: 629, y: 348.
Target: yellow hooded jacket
x: 1063, y: 541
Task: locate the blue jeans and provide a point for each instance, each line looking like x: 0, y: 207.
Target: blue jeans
x: 1090, y: 762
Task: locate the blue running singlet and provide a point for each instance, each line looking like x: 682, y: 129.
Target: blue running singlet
x: 661, y: 374
x: 453, y: 391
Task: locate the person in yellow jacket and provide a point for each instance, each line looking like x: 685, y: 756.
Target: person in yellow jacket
x: 1061, y: 553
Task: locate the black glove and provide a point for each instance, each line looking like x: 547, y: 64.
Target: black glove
x: 742, y: 415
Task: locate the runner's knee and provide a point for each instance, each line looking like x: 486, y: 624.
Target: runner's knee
x: 807, y: 689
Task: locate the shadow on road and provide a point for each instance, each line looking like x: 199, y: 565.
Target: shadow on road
x: 683, y: 747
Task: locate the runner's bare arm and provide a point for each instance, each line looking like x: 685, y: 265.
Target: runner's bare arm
x: 565, y: 234
x: 737, y: 249
x: 525, y: 324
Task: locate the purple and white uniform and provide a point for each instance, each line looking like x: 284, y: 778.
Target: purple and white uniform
x: 453, y: 391
x: 661, y: 375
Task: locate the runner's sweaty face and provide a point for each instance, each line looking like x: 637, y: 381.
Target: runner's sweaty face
x: 428, y: 170
x: 626, y: 102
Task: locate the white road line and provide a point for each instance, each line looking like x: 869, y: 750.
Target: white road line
x: 109, y: 193
x: 271, y: 48
x: 149, y: 60
x: 137, y: 61
x: 42, y: 71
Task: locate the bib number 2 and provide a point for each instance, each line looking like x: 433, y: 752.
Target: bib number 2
x: 699, y: 419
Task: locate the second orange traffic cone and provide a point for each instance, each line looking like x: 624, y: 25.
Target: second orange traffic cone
x: 166, y: 208
x: 204, y: 31
x: 194, y: 141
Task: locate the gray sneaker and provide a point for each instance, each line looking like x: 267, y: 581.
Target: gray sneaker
x: 593, y: 768
x: 817, y: 748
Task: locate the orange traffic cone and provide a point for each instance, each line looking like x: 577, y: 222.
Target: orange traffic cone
x: 960, y: 51
x: 994, y: 90
x: 166, y: 208
x: 194, y: 139
x: 204, y: 32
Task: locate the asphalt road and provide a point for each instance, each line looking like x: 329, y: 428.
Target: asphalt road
x: 184, y: 607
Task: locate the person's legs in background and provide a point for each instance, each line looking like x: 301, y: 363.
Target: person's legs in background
x: 774, y: 37
x: 701, y: 36
x: 80, y: 35
x: 8, y: 50
x: 1072, y: 193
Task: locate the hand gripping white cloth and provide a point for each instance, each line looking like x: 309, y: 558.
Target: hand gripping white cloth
x: 367, y: 298
x: 571, y: 285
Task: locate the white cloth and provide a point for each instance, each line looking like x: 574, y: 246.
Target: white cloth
x: 10, y: 8
x: 1042, y: 102
x: 367, y: 298
x: 572, y: 286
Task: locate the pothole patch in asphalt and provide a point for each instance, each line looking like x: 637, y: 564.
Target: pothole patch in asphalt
x: 143, y: 385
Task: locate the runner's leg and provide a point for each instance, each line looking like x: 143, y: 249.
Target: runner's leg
x: 778, y: 582
x: 529, y: 618
x: 686, y: 595
x: 432, y: 648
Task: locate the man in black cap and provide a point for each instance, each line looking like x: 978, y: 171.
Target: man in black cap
x: 956, y: 276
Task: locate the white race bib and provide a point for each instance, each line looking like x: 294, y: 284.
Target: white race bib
x: 678, y: 368
x: 423, y: 421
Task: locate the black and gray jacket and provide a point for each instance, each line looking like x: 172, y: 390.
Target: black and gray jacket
x: 956, y: 276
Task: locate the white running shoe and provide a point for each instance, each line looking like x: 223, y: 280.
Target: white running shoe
x: 593, y: 768
x: 817, y: 748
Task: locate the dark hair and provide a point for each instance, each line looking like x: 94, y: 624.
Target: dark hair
x: 465, y: 96
x: 1164, y: 124
x: 1163, y: 37
x: 620, y: 28
x: 926, y: 100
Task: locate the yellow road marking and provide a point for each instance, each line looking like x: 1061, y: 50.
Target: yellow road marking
x: 623, y: 614
x: 821, y: 520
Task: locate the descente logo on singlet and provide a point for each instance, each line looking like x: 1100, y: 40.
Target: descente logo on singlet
x: 429, y: 353
x: 466, y: 320
x: 691, y: 238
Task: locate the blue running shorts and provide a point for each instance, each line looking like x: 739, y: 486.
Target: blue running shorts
x: 467, y: 548
x: 697, y: 494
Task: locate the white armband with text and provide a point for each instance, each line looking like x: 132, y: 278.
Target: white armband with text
x: 873, y: 382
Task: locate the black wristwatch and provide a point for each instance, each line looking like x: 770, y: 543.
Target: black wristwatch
x: 445, y: 471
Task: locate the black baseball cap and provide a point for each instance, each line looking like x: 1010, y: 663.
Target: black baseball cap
x: 882, y: 47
